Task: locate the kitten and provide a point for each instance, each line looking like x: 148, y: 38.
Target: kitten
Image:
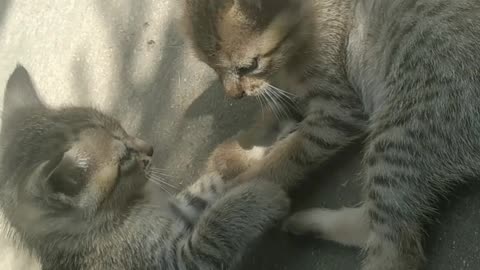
x: 260, y: 47
x: 403, y: 73
x: 72, y: 187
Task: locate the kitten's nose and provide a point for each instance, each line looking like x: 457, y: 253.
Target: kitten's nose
x: 238, y: 94
x: 146, y: 161
x: 150, y: 151
x: 143, y: 147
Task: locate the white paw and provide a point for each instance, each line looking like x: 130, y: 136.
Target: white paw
x: 305, y: 222
x: 347, y: 226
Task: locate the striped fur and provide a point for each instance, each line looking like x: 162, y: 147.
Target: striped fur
x: 404, y: 73
x: 79, y: 214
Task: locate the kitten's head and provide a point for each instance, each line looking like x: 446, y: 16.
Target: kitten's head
x: 70, y: 163
x: 247, y: 42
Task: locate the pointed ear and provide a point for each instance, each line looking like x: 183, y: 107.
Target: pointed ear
x: 20, y: 91
x: 60, y: 175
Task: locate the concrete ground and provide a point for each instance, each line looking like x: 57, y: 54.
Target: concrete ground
x: 126, y: 57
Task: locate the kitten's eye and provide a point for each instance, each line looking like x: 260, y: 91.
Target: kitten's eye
x: 250, y: 68
x: 127, y: 156
x: 128, y: 161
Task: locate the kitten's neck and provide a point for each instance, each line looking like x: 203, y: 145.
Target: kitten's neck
x: 323, y: 52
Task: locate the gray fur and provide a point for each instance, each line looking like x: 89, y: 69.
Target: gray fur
x: 54, y: 176
x: 411, y: 66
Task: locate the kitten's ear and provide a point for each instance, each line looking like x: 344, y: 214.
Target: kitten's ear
x: 20, y: 91
x: 61, y: 176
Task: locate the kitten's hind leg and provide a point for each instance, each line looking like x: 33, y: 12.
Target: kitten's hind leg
x: 232, y: 223
x: 347, y: 226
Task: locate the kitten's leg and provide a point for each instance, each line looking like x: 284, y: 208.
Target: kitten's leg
x: 348, y: 226
x: 232, y: 223
x: 405, y: 177
x: 407, y: 173
x: 333, y: 120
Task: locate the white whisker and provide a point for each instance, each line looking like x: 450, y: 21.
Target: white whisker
x: 163, y: 174
x: 272, y: 104
x: 160, y: 186
x: 286, y: 102
x: 162, y: 181
x: 261, y: 104
x: 277, y: 103
x: 289, y: 98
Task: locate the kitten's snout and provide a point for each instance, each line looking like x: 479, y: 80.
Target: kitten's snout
x: 149, y: 151
x: 233, y: 88
x: 238, y: 95
x: 143, y: 147
x: 146, y: 161
x: 234, y: 91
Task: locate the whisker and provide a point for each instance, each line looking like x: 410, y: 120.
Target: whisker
x: 282, y: 91
x: 163, y: 181
x: 275, y: 103
x: 289, y: 97
x: 160, y: 186
x: 159, y: 169
x: 278, y: 105
x: 163, y: 174
x: 272, y: 106
x: 260, y: 100
x: 286, y: 103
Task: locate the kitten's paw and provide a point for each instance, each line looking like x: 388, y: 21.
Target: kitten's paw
x: 229, y: 159
x: 306, y: 222
x: 347, y: 226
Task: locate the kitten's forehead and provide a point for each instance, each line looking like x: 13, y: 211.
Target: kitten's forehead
x: 234, y: 35
x: 236, y: 32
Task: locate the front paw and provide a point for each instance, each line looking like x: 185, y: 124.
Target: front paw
x: 229, y: 159
x: 252, y: 174
x: 347, y: 226
x: 304, y: 223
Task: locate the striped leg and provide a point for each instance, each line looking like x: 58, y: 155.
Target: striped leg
x: 333, y: 120
x: 406, y: 177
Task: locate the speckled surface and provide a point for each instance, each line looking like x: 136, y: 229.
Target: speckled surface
x: 126, y: 57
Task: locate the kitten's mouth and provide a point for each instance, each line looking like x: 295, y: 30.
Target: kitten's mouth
x: 145, y: 163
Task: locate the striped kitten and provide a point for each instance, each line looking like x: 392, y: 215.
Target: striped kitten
x: 409, y: 65
x: 72, y: 189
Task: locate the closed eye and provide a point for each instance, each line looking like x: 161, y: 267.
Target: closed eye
x: 128, y: 161
x: 248, y: 69
x: 127, y: 155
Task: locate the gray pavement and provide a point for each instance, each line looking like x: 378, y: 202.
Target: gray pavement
x: 127, y: 58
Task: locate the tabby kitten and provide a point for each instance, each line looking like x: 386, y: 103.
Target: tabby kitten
x: 72, y: 188
x: 411, y: 66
